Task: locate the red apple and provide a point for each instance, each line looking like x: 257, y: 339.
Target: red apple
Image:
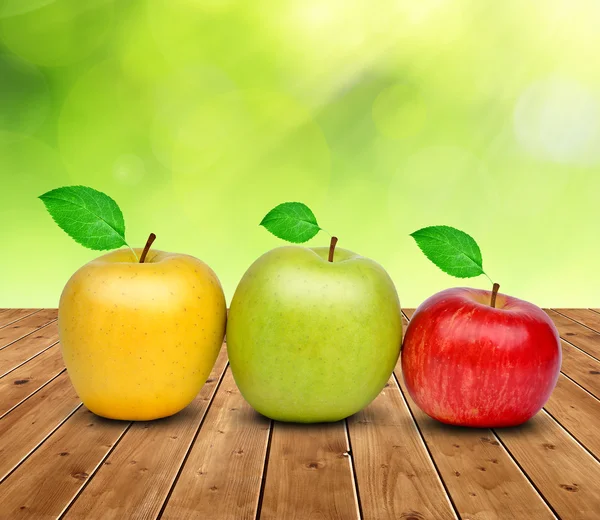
x: 470, y: 364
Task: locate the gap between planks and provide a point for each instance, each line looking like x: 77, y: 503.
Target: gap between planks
x: 585, y: 317
x: 78, y: 460
x: 223, y: 472
x: 26, y: 326
x: 149, y: 456
x: 9, y: 316
x: 552, y: 441
x: 581, y: 337
x: 265, y: 468
x: 25, y: 349
x: 23, y: 382
x: 480, y: 475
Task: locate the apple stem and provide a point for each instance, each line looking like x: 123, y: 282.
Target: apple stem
x: 332, y: 248
x: 494, y: 294
x: 151, y: 239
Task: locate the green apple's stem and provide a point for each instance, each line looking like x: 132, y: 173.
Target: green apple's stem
x: 134, y: 253
x: 494, y: 294
x: 151, y: 239
x: 332, y: 248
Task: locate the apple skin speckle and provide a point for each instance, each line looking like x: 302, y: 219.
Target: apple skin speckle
x: 310, y: 340
x: 118, y: 333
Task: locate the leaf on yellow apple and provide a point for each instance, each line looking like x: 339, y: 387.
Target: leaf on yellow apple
x: 90, y: 217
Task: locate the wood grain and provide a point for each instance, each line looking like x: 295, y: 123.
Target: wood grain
x: 222, y: 475
x: 26, y: 348
x: 562, y: 470
x: 395, y: 475
x: 21, y: 328
x: 575, y: 333
x: 51, y: 477
x: 309, y: 474
x: 582, y: 368
x: 586, y: 317
x: 28, y: 378
x: 147, y: 458
x: 210, y: 460
x: 8, y: 316
x: 577, y: 411
x: 30, y: 423
x: 483, y: 480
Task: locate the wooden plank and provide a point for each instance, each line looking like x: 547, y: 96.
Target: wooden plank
x: 147, y: 458
x: 561, y: 469
x: 27, y: 379
x: 222, y: 476
x: 580, y: 367
x: 586, y: 317
x: 30, y: 423
x: 395, y: 475
x: 482, y: 478
x: 575, y: 333
x: 27, y: 348
x: 577, y: 411
x: 52, y: 476
x: 21, y: 328
x: 309, y: 474
x: 8, y: 316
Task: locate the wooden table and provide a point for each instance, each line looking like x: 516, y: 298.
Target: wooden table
x: 218, y: 459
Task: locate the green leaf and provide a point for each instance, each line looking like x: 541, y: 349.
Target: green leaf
x: 88, y: 216
x: 291, y: 221
x: 452, y: 250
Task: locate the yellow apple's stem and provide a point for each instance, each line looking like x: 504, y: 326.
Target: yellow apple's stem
x: 494, y: 294
x: 151, y: 239
x: 332, y: 248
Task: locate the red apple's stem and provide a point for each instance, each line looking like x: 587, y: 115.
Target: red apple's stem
x: 494, y: 294
x: 151, y: 239
x: 332, y: 248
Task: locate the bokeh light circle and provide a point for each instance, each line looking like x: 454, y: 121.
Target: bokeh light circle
x: 57, y: 33
x: 129, y: 169
x: 174, y: 95
x: 558, y: 119
x: 25, y: 99
x: 22, y: 158
x: 248, y: 150
x: 399, y: 111
x: 232, y: 39
x: 103, y: 130
x: 435, y: 181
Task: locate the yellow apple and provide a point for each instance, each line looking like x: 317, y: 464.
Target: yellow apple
x: 139, y: 339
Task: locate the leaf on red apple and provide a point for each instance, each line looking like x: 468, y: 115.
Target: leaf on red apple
x: 90, y: 217
x: 291, y: 221
x: 452, y: 250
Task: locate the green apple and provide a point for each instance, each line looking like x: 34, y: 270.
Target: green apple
x: 312, y: 340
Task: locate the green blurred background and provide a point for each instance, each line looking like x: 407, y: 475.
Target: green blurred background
x: 199, y: 116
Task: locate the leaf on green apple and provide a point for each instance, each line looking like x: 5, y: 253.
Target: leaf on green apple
x: 90, y: 217
x: 452, y: 250
x: 291, y: 221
